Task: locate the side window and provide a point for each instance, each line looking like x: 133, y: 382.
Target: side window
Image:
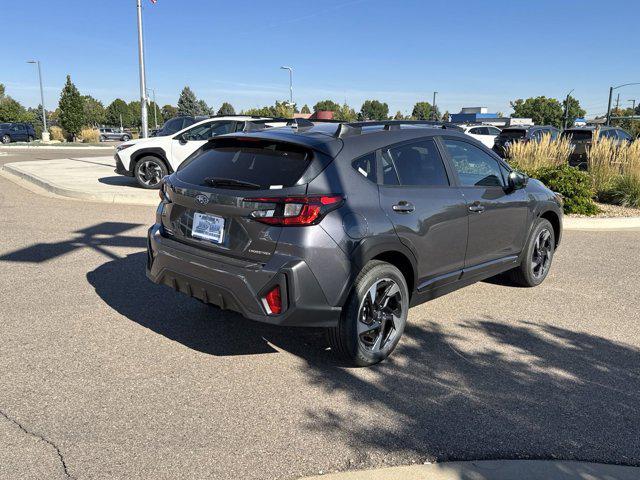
x: 554, y: 133
x: 537, y: 135
x: 419, y: 164
x: 366, y: 166
x: 493, y: 131
x: 474, y: 166
x: 220, y: 128
x: 476, y: 131
x: 199, y: 132
x: 622, y: 135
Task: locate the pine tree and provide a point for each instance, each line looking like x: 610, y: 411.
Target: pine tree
x: 226, y: 109
x: 305, y: 109
x: 204, y: 109
x: 187, y: 103
x: 71, y: 108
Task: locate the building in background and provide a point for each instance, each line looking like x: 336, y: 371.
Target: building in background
x: 481, y: 115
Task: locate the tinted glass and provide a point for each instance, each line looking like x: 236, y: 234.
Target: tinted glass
x: 493, y: 131
x: 577, y: 134
x: 513, y: 133
x: 609, y: 134
x: 208, y: 130
x: 474, y: 166
x: 476, y: 131
x: 366, y: 166
x: 264, y: 163
x: 389, y: 176
x: 419, y: 164
x: 554, y: 133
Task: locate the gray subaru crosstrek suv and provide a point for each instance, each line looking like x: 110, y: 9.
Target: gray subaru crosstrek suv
x: 346, y: 226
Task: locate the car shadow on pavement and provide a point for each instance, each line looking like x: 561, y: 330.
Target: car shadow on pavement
x: 98, y: 237
x: 496, y: 390
x: 204, y: 328
x: 120, y: 181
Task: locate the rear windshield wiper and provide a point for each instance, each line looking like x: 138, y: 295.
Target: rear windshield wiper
x: 230, y: 182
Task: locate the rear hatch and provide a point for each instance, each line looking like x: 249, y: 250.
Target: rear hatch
x: 510, y: 134
x: 215, y: 197
x: 579, y: 139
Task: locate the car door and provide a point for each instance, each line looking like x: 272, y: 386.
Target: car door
x: 427, y: 211
x: 20, y: 133
x: 497, y: 218
x: 187, y: 142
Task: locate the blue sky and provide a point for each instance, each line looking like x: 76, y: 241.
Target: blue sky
x: 474, y: 53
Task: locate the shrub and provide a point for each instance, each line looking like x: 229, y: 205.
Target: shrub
x: 530, y: 156
x: 57, y: 133
x: 89, y: 135
x: 574, y: 185
x: 623, y: 190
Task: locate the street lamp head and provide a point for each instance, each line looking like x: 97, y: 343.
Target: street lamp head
x: 32, y: 61
x: 286, y: 68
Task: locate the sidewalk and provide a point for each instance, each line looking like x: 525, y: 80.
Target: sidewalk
x: 493, y: 470
x: 91, y: 179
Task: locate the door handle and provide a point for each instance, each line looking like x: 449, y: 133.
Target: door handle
x: 476, y: 207
x: 404, y: 207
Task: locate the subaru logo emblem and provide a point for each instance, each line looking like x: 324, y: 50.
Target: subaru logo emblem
x: 202, y: 199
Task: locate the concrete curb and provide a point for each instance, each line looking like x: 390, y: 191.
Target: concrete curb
x: 613, y: 223
x: 493, y: 470
x: 142, y: 197
x: 58, y: 147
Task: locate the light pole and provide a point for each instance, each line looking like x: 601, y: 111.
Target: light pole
x: 290, y: 83
x: 633, y: 100
x: 433, y: 106
x: 611, y: 89
x: 45, y: 133
x: 143, y: 89
x: 566, y: 110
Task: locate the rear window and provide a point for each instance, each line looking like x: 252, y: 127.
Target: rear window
x: 513, y: 133
x: 577, y: 134
x: 265, y: 163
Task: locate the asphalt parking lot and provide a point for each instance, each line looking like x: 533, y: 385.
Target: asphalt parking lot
x: 107, y: 375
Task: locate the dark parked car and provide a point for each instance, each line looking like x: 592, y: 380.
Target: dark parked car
x: 581, y: 139
x: 346, y: 226
x: 17, y: 132
x: 114, y: 134
x: 176, y: 124
x: 522, y: 134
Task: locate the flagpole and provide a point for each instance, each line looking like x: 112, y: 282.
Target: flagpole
x: 143, y: 87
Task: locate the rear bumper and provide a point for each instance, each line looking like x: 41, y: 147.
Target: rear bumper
x: 120, y: 170
x: 240, y: 286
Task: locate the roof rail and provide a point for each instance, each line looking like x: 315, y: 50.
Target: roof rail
x: 392, y: 125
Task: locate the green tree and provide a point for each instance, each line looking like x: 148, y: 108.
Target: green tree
x: 446, y: 116
x: 542, y: 110
x: 1, y: 90
x: 284, y: 109
x: 226, y: 109
x: 374, y: 110
x: 575, y: 110
x: 135, y: 115
x: 71, y: 108
x: 345, y: 114
x: 118, y: 109
x: 93, y: 111
x: 11, y: 110
x: 188, y: 103
x: 169, y: 111
x: 398, y: 116
x: 204, y: 109
x: 425, y: 111
x: 305, y: 109
x: 326, y: 105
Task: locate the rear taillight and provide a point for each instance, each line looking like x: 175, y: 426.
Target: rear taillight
x: 292, y: 211
x: 273, y: 301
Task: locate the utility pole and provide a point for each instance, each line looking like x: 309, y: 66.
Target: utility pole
x: 45, y: 133
x: 290, y: 83
x: 566, y: 110
x: 433, y: 107
x: 611, y: 89
x: 155, y: 106
x: 143, y: 88
x: 634, y: 104
x: 618, y: 101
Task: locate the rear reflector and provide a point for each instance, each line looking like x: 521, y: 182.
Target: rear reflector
x: 293, y: 211
x: 273, y: 301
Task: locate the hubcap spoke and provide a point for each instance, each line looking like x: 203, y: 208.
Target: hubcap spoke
x: 542, y: 253
x: 380, y: 315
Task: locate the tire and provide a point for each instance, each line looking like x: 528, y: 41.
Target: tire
x: 102, y: 138
x: 29, y: 139
x: 351, y: 339
x: 537, y: 256
x: 149, y: 171
x: 6, y: 139
x: 126, y: 138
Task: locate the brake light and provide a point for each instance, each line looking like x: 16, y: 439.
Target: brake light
x: 293, y: 211
x: 273, y: 301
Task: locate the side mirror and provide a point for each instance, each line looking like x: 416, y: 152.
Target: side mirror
x: 517, y: 181
x: 183, y: 139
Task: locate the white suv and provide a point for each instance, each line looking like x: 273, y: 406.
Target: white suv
x: 484, y: 133
x: 150, y: 159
